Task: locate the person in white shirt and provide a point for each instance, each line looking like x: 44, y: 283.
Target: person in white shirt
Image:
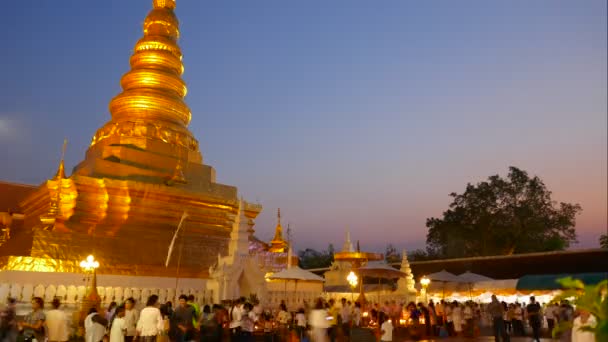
x: 585, y: 319
x: 457, y: 317
x: 319, y: 322
x: 57, y: 323
x: 117, y: 327
x: 551, y: 314
x: 518, y: 323
x: 236, y: 315
x: 386, y: 329
x: 345, y: 314
x: 357, y: 314
x: 150, y: 323
x: 300, y: 323
x: 94, y: 326
x: 131, y: 318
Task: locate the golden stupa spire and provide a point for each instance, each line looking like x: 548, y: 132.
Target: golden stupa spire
x: 150, y: 112
x: 278, y: 244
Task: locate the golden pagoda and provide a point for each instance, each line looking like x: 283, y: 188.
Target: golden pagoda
x: 141, y: 173
x: 278, y: 244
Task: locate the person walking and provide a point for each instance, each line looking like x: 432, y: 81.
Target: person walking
x: 386, y: 329
x: 534, y: 318
x: 150, y: 323
x: 32, y: 326
x: 319, y: 322
x: 57, y: 323
x: 117, y: 326
x: 8, y: 321
x: 496, y: 311
x: 131, y: 318
x: 584, y: 320
x: 94, y: 326
x: 184, y: 315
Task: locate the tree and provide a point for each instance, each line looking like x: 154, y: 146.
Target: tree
x: 310, y: 258
x: 392, y: 255
x: 502, y: 216
x: 604, y: 241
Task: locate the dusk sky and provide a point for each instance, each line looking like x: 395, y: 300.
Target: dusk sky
x: 359, y: 115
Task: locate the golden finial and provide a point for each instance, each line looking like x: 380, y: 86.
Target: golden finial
x: 279, y: 216
x: 164, y: 4
x: 61, y: 169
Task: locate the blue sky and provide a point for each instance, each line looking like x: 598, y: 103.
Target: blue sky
x: 347, y: 114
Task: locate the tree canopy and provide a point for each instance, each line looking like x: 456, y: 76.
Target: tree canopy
x: 502, y: 216
x: 310, y: 258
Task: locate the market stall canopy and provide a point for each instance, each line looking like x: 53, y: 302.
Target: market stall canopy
x: 296, y: 273
x: 470, y: 277
x: 549, y: 281
x: 499, y: 285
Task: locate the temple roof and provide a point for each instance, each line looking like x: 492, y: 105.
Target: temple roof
x: 12, y: 194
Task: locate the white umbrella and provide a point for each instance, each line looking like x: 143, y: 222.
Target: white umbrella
x: 380, y: 270
x: 296, y: 273
x: 443, y: 277
x: 470, y: 278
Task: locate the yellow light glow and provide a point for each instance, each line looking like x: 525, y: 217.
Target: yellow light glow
x: 352, y: 279
x: 425, y: 281
x: 90, y: 263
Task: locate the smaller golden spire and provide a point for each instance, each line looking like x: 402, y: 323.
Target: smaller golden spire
x: 61, y: 169
x: 278, y: 244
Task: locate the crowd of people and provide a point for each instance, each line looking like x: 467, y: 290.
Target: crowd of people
x: 323, y: 321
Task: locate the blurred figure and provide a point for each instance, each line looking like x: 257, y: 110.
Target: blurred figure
x: 117, y: 327
x: 57, y: 323
x: 300, y: 323
x: 94, y: 326
x: 496, y: 311
x: 8, y: 322
x: 150, y: 323
x: 184, y: 315
x: 534, y: 318
x: 319, y: 322
x: 111, y: 311
x: 518, y: 323
x: 386, y: 328
x: 131, y: 318
x: 585, y: 319
x: 357, y: 315
x: 32, y: 326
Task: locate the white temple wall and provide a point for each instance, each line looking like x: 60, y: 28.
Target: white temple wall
x: 72, y: 287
